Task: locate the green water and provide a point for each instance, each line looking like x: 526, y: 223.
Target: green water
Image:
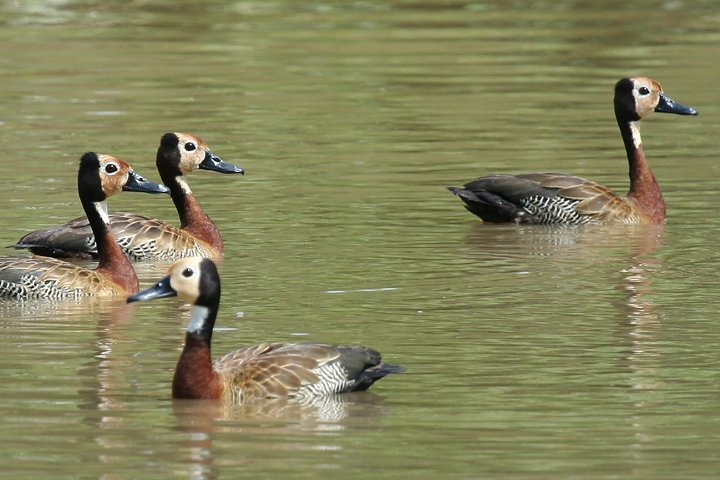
x: 531, y: 352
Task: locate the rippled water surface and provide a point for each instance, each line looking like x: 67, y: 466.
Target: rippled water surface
x: 538, y: 353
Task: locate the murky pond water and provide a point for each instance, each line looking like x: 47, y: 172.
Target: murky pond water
x: 531, y: 352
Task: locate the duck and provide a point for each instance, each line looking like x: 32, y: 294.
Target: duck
x: 99, y: 177
x: 268, y: 370
x: 142, y: 237
x: 557, y: 198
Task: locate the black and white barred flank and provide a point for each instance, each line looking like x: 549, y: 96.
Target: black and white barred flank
x: 332, y: 378
x: 555, y: 210
x: 30, y: 287
x: 558, y: 209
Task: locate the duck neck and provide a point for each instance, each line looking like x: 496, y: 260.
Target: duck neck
x: 644, y: 189
x: 112, y: 261
x: 192, y: 217
x: 194, y: 374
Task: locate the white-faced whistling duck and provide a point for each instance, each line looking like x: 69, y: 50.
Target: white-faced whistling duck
x: 566, y: 199
x: 99, y: 177
x: 267, y: 370
x: 146, y: 238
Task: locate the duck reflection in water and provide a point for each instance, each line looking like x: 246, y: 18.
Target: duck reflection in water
x: 580, y: 263
x: 263, y: 421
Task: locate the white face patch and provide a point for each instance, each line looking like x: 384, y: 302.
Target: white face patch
x: 101, y: 208
x: 197, y: 318
x: 183, y: 184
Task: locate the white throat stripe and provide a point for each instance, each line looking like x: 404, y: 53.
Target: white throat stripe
x: 637, y: 141
x: 183, y: 184
x: 197, y: 318
x: 101, y: 208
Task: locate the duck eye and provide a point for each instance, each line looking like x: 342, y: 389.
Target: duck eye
x: 644, y: 90
x: 190, y: 146
x: 111, y: 168
x: 187, y: 273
